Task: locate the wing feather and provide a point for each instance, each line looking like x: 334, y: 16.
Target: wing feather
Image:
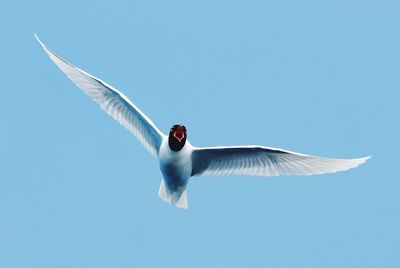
x: 263, y: 161
x: 113, y: 102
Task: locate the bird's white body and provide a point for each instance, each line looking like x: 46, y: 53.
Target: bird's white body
x: 176, y: 168
x: 179, y: 160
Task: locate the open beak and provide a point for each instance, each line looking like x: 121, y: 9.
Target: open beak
x: 179, y: 133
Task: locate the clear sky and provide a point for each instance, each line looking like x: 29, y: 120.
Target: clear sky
x: 317, y: 77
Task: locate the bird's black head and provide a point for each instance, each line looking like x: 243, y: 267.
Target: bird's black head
x: 177, y: 137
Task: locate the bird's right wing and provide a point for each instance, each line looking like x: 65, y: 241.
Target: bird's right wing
x: 113, y: 102
x: 263, y: 161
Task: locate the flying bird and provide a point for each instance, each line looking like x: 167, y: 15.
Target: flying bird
x: 179, y: 160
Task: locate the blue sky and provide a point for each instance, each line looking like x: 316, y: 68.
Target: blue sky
x: 77, y: 190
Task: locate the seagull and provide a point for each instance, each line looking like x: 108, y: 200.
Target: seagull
x: 179, y: 160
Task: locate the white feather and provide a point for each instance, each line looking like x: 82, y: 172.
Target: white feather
x: 177, y: 167
x: 113, y: 102
x: 263, y: 161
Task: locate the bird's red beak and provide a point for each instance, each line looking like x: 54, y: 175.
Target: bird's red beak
x: 179, y: 133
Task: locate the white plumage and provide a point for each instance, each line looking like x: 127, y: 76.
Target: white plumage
x: 264, y: 161
x: 179, y: 160
x: 113, y: 102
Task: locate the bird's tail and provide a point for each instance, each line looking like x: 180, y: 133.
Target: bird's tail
x: 179, y: 201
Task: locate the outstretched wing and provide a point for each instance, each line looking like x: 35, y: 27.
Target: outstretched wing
x: 113, y: 102
x: 263, y: 161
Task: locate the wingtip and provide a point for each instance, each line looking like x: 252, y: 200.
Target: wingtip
x: 362, y: 160
x: 40, y: 42
x: 365, y: 159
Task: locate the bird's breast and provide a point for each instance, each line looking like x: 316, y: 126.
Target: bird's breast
x: 176, y: 167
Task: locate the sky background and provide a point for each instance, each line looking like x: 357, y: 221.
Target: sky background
x: 317, y: 77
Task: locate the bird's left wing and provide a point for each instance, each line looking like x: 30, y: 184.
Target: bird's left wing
x: 263, y: 161
x: 114, y: 103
